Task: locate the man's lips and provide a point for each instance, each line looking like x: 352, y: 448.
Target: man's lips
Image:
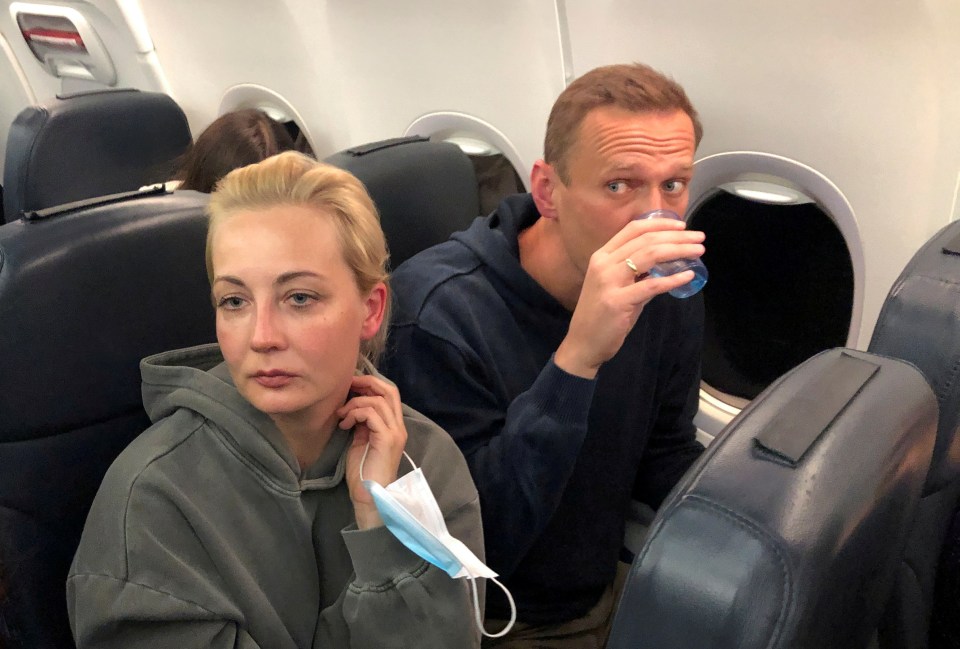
x: 273, y: 378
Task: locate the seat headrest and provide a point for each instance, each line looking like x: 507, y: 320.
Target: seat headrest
x: 789, y: 529
x: 90, y: 144
x: 84, y: 295
x: 425, y: 191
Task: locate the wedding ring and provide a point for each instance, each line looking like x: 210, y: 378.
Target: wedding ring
x: 632, y: 266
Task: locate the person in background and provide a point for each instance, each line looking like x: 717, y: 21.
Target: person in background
x: 539, y: 341
x: 240, y: 519
x: 233, y: 140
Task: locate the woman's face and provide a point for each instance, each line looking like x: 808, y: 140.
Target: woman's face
x: 289, y: 315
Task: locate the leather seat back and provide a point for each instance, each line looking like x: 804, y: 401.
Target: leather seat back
x: 85, y: 293
x: 920, y: 323
x: 425, y: 191
x: 788, y: 531
x: 90, y: 144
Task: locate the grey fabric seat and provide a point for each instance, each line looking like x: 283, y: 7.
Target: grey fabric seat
x: 90, y: 144
x: 85, y: 293
x: 788, y: 531
x: 425, y: 191
x: 920, y: 323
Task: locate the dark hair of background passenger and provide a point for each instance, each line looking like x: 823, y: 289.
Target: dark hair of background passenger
x: 233, y: 140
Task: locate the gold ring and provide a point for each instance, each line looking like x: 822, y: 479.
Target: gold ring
x: 632, y: 266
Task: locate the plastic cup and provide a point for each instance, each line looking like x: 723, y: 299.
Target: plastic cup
x: 675, y: 266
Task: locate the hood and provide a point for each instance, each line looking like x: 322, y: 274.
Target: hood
x: 493, y: 239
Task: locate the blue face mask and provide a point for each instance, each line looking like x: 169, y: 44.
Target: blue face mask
x: 411, y: 513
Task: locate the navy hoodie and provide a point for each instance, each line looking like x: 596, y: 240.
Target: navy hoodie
x: 556, y: 458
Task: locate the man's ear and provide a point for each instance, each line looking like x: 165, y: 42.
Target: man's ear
x: 543, y: 185
x: 376, y: 304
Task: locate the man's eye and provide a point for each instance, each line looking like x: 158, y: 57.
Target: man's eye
x: 617, y: 186
x: 674, y: 186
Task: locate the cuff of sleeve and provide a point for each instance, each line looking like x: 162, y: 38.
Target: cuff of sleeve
x: 566, y: 395
x: 378, y: 556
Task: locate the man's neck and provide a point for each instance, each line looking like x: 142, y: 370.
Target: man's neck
x: 544, y: 257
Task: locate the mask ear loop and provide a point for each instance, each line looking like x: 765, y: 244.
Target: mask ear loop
x: 473, y: 582
x: 363, y: 458
x: 476, y: 609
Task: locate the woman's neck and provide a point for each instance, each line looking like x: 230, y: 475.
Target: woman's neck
x: 307, y: 434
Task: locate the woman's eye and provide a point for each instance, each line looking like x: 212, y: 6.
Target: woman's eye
x: 230, y: 302
x: 300, y: 299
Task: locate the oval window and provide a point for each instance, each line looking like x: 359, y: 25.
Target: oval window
x: 785, y: 265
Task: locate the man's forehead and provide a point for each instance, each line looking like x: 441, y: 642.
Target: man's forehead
x: 611, y: 130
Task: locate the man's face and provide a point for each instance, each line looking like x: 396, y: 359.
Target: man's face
x: 622, y: 164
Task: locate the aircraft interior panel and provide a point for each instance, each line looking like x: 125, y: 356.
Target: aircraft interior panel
x: 17, y: 93
x: 117, y: 55
x: 864, y: 98
x: 208, y: 48
x: 497, y: 61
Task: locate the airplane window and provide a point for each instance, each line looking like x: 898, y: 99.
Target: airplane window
x: 496, y: 176
x: 781, y: 290
x: 299, y: 138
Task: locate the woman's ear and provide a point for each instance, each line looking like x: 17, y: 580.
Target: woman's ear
x: 543, y: 185
x: 376, y: 305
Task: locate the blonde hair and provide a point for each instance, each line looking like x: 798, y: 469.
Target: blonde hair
x: 291, y: 178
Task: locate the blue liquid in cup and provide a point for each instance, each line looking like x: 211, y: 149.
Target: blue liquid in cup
x: 675, y: 266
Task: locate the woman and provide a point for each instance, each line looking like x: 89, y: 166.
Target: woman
x: 239, y: 519
x: 233, y: 140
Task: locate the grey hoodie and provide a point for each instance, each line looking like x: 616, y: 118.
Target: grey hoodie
x: 205, y: 534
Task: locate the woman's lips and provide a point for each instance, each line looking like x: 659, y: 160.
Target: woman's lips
x: 273, y: 378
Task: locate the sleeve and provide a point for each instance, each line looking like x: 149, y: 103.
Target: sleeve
x: 521, y: 453
x: 673, y: 444
x: 399, y: 600
x: 107, y: 612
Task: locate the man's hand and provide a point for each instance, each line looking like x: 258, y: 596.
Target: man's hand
x: 612, y: 296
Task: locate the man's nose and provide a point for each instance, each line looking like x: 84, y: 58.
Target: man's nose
x: 648, y: 202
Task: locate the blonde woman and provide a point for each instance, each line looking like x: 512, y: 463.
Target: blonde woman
x: 239, y: 519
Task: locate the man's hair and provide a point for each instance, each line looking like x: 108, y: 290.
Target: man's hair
x: 294, y: 179
x: 232, y: 140
x: 634, y: 87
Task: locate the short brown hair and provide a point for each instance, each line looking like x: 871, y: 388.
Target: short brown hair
x: 293, y: 178
x: 635, y: 87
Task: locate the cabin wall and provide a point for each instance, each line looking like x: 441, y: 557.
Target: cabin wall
x: 865, y: 96
x: 868, y: 95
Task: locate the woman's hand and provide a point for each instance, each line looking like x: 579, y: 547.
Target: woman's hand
x: 375, y: 414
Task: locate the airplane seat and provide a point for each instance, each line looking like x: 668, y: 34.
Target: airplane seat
x: 920, y: 323
x: 425, y: 191
x: 788, y: 531
x: 90, y: 144
x: 86, y: 291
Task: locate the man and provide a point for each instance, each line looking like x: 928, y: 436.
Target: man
x: 538, y: 341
